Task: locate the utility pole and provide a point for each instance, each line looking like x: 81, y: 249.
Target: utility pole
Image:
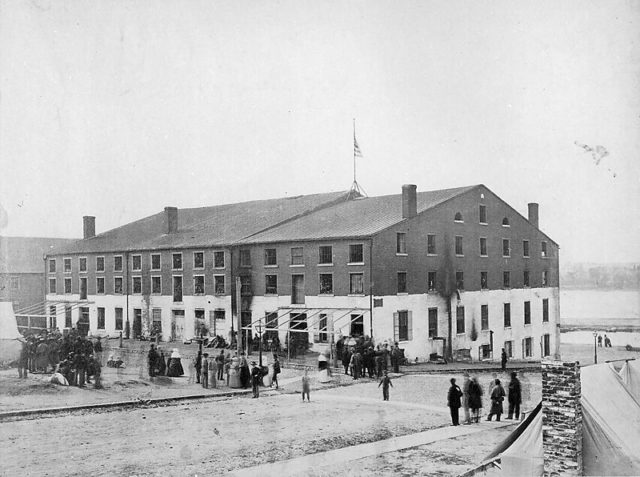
x: 238, y: 316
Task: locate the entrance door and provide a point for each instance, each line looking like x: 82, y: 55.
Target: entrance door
x: 83, y: 321
x: 298, y: 336
x: 357, y: 325
x: 137, y: 323
x: 177, y: 325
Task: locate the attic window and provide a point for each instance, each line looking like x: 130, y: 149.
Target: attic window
x: 458, y: 217
x: 505, y: 222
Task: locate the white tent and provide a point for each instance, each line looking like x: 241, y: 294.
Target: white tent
x: 630, y: 374
x: 10, y: 346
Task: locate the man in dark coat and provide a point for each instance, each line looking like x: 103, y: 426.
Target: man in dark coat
x: 256, y: 376
x: 152, y: 361
x: 475, y: 398
x: 515, y: 396
x: 79, y: 362
x: 346, y: 359
x: 385, y: 382
x: 199, y: 366
x: 497, y: 396
x: 453, y: 401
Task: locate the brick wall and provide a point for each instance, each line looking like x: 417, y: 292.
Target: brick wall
x: 561, y: 418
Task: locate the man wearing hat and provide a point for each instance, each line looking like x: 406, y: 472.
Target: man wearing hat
x: 515, y: 396
x: 256, y: 375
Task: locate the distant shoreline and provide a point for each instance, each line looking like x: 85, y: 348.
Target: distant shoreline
x: 566, y: 328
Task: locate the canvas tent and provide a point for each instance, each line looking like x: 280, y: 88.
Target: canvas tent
x: 630, y: 375
x: 10, y: 346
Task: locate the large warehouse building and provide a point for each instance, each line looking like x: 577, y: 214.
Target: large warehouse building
x: 454, y: 272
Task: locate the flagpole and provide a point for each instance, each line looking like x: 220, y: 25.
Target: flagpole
x: 354, y: 150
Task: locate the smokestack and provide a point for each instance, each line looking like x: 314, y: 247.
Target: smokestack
x: 170, y: 220
x: 533, y: 214
x: 409, y: 201
x: 88, y: 226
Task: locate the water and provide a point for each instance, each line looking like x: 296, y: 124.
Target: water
x: 618, y: 338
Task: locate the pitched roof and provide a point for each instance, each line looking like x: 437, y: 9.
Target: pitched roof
x: 361, y: 217
x: 25, y: 254
x: 213, y: 226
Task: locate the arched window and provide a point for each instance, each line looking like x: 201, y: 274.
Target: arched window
x: 505, y: 222
x: 458, y: 217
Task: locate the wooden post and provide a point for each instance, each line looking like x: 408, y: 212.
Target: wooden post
x: 238, y: 316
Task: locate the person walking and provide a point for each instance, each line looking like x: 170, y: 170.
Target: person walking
x: 453, y: 401
x: 465, y: 398
x: 503, y: 359
x: 515, y: 396
x: 385, y: 382
x: 256, y: 374
x: 497, y: 396
x: 276, y: 370
x: 475, y: 399
x: 306, y: 385
x: 204, y: 370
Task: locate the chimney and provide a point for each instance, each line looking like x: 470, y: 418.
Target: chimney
x: 89, y: 226
x: 409, y: 201
x: 533, y: 214
x: 170, y: 220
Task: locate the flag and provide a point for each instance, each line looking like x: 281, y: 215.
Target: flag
x: 356, y: 149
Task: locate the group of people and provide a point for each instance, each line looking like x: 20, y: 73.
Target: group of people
x: 362, y: 358
x: 70, y: 356
x: 470, y: 399
x: 607, y: 341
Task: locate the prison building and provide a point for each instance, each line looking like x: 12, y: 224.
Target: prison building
x: 455, y: 272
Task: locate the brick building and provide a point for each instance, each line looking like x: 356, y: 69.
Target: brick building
x: 454, y: 271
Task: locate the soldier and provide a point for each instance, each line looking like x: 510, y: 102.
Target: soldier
x: 256, y: 376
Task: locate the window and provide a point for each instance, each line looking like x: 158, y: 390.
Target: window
x: 546, y: 345
x: 431, y: 281
x: 137, y: 285
x: 402, y: 326
x: 297, y: 256
x: 117, y: 263
x: 356, y: 254
x: 67, y: 265
x: 82, y: 264
x: 508, y: 348
x: 484, y: 317
x: 117, y: 285
x: 270, y: 257
x: 460, y: 319
x: 401, y: 243
x: 218, y: 259
x: 155, y: 261
x: 297, y: 289
x: 101, y: 318
x: 357, y: 325
x: 527, y: 312
x: 402, y: 282
x: 52, y: 285
x: 458, y: 217
x: 459, y: 250
x: 431, y: 244
x: 525, y: 278
x: 507, y: 315
x: 176, y: 261
x: 433, y: 322
x: 67, y: 316
x: 156, y: 317
x: 326, y: 284
x: 527, y: 348
x: 322, y: 329
x: 53, y: 321
x: 100, y: 285
x: 545, y: 309
x: 483, y: 246
x: 136, y: 263
x: 325, y: 255
x: 543, y: 249
x: 245, y: 258
x: 198, y: 260
x: 245, y: 285
x: 484, y: 280
x: 198, y: 285
x: 218, y: 315
x: 156, y: 285
x: 177, y: 289
x: 506, y: 279
x: 525, y: 248
x: 545, y: 278
x: 506, y: 248
x: 356, y: 284
x: 118, y: 318
x: 505, y: 222
x: 52, y: 265
x: 218, y: 284
x: 271, y: 284
x: 67, y: 285
x: 482, y: 212
x: 460, y: 280
x: 99, y: 264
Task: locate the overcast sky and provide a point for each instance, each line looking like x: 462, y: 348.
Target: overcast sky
x: 119, y: 108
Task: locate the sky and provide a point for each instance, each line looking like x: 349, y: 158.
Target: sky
x: 119, y: 108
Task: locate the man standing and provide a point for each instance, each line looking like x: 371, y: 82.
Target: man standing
x: 199, y: 367
x: 256, y: 374
x: 204, y: 369
x: 276, y: 369
x: 497, y: 396
x: 503, y: 359
x: 152, y: 361
x: 515, y: 396
x: 453, y: 401
x: 23, y: 360
x: 220, y: 363
x: 465, y: 398
x: 385, y: 382
x: 346, y: 359
x: 97, y: 350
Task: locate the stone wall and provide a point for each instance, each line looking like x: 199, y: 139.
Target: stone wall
x: 561, y: 418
